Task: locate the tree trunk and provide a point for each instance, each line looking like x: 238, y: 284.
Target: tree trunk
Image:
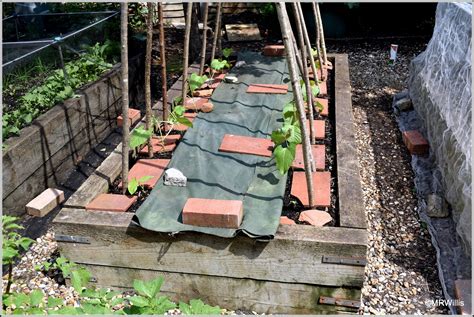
x: 309, y: 96
x: 149, y: 46
x: 285, y: 27
x: 124, y: 69
x: 308, y: 47
x: 204, y: 39
x: 216, y: 31
x: 189, y: 11
x: 323, y: 43
x: 164, y: 89
x: 318, y: 40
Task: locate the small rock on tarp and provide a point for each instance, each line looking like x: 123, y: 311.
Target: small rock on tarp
x: 174, y: 177
x: 436, y: 206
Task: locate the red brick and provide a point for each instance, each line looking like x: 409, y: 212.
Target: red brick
x: 324, y: 72
x: 317, y: 218
x: 323, y: 88
x: 267, y: 89
x: 207, y: 107
x: 325, y: 104
x: 148, y: 167
x: 133, y: 116
x: 321, y: 187
x: 213, y: 213
x: 217, y: 80
x: 274, y: 50
x: 246, y: 145
x: 203, y: 93
x: 158, y: 146
x: 181, y: 127
x: 111, y: 202
x: 284, y: 220
x: 319, y: 157
x: 195, y: 103
x: 463, y: 292
x: 415, y: 142
x: 42, y: 204
x: 319, y: 129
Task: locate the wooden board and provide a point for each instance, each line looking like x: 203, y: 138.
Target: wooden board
x: 351, y: 204
x: 242, y: 32
x: 295, y: 255
x: 260, y: 296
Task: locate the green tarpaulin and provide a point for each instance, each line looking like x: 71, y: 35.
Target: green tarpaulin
x: 218, y: 175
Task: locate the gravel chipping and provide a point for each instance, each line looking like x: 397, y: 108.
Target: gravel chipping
x: 401, y: 276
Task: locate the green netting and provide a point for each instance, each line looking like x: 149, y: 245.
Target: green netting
x: 217, y: 175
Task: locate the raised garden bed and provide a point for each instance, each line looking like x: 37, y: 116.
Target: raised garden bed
x: 301, y: 270
x: 57, y: 140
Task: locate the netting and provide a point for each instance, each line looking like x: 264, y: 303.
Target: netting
x: 440, y: 87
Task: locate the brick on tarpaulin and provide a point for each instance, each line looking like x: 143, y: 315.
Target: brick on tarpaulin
x: 213, y: 213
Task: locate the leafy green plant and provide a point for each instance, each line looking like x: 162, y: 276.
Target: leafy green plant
x: 286, y: 138
x: 314, y: 93
x: 218, y: 65
x: 55, y: 89
x: 198, y: 307
x: 195, y: 81
x: 135, y: 183
x: 12, y: 243
x: 23, y: 304
x: 226, y: 52
x: 147, y: 301
x: 139, y: 136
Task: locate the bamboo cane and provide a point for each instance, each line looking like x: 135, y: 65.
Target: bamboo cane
x: 204, y: 39
x: 308, y: 47
x: 285, y: 26
x: 323, y: 43
x: 149, y: 46
x: 299, y: 33
x: 164, y: 88
x: 189, y: 11
x: 318, y: 40
x: 124, y: 70
x: 216, y: 31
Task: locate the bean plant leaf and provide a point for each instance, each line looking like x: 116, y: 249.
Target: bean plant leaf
x: 218, y: 64
x: 284, y: 156
x: 226, y: 52
x: 144, y: 179
x: 185, y: 121
x: 132, y: 186
x: 139, y: 137
x: 195, y: 81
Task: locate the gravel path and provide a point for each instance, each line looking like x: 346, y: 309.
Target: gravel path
x: 401, y: 275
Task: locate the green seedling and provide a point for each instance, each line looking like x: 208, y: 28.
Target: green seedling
x: 135, y: 183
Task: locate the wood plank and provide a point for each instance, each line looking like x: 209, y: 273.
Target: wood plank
x: 56, y: 170
x: 351, y: 204
x: 260, y: 296
x: 52, y: 131
x: 295, y: 255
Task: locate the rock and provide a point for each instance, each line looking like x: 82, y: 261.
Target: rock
x: 404, y: 104
x: 231, y: 79
x: 315, y: 217
x: 174, y: 177
x: 240, y: 64
x: 207, y: 107
x: 436, y: 206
